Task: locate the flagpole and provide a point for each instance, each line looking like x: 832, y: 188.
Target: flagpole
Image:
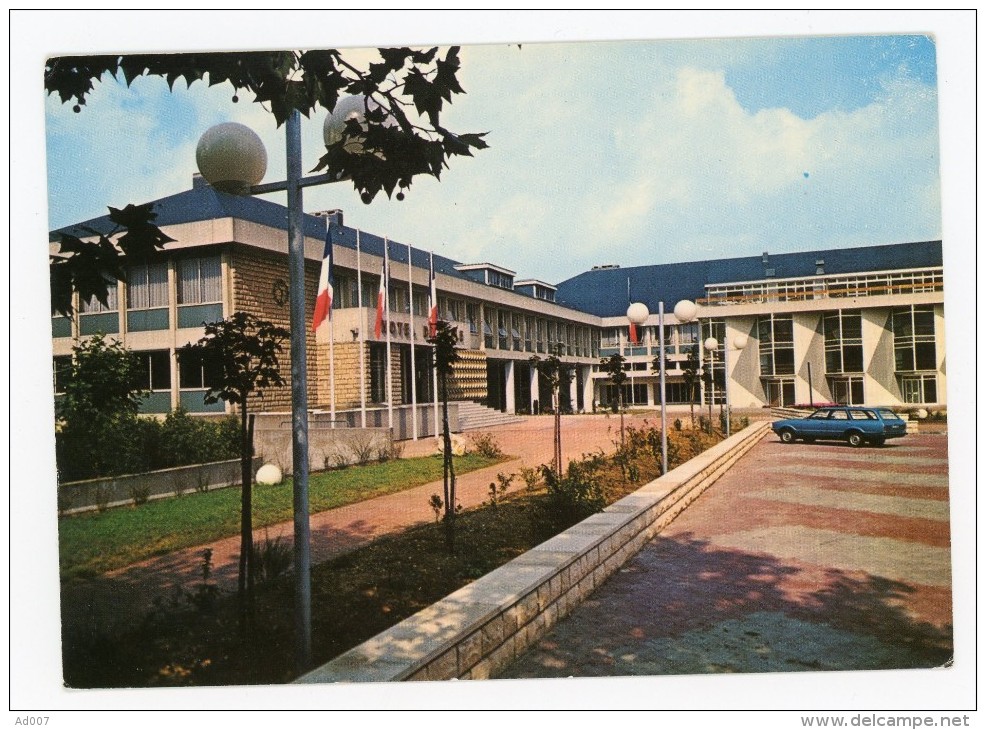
x: 332, y: 360
x: 362, y: 346
x: 414, y: 379
x: 386, y: 304
x: 434, y: 370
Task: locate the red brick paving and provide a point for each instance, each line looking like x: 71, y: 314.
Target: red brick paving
x: 694, y: 601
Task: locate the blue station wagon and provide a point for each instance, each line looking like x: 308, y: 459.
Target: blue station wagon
x: 856, y: 425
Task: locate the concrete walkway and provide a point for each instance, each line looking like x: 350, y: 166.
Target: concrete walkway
x: 115, y: 599
x: 802, y: 557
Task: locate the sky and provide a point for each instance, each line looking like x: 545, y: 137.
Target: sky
x: 805, y: 131
x: 627, y: 152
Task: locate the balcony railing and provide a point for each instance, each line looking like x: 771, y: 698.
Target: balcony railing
x: 825, y: 287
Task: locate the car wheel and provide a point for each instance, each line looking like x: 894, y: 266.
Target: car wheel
x: 787, y: 436
x: 855, y: 438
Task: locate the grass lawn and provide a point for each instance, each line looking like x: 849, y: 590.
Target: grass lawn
x: 93, y: 543
x: 354, y: 596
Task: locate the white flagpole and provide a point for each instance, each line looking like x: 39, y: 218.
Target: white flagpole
x: 332, y: 343
x: 414, y: 379
x: 433, y: 291
x: 362, y: 346
x: 386, y: 304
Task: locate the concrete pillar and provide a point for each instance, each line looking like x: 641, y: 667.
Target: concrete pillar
x: 535, y: 389
x: 509, y: 400
x: 588, y: 389
x: 573, y: 393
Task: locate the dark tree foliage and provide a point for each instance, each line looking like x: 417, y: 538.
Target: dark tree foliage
x: 406, y: 92
x: 445, y: 354
x: 245, y: 349
x: 98, y: 430
x: 89, y: 268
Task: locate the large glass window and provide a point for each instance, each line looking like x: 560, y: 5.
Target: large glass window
x: 776, y: 341
x: 843, y: 342
x: 914, y: 339
x: 96, y: 317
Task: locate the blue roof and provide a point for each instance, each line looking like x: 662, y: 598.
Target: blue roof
x: 604, y: 292
x: 203, y: 202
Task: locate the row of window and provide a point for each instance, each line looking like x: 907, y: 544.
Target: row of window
x: 834, y: 286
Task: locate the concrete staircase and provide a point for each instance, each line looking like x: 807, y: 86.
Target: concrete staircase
x: 473, y: 416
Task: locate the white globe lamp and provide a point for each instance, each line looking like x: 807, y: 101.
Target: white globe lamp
x: 685, y: 311
x: 638, y: 313
x: 269, y: 474
x: 231, y: 157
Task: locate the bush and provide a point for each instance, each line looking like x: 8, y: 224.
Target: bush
x: 571, y: 498
x: 126, y: 444
x: 485, y: 444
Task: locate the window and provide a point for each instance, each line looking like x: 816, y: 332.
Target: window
x: 776, y: 338
x: 196, y: 372
x: 919, y: 388
x: 97, y: 317
x: 472, y: 316
x: 147, y: 297
x: 398, y: 298
x: 378, y: 373
x: 914, y: 339
x: 516, y: 324
x: 62, y: 370
x: 497, y: 279
x: 501, y: 330
x: 147, y: 286
x: 847, y: 390
x: 156, y: 369
x: 200, y: 280
x: 843, y: 342
x: 529, y: 334
x: 420, y: 303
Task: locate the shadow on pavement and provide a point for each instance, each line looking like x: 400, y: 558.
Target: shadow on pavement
x: 684, y: 606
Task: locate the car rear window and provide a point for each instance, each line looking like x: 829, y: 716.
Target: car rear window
x: 863, y: 415
x: 887, y: 413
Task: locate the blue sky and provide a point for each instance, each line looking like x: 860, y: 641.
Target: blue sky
x: 627, y: 152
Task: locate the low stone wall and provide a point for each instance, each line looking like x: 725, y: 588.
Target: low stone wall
x: 327, y: 447
x: 482, y: 627
x: 93, y: 494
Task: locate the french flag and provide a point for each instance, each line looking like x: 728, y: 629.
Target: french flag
x: 323, y: 302
x: 381, y: 302
x: 432, y: 301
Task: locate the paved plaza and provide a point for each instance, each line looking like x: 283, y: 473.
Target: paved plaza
x: 802, y: 557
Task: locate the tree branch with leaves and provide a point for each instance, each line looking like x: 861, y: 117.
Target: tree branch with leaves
x: 400, y: 137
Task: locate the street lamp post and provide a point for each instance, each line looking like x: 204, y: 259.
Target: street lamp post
x: 711, y: 344
x: 232, y: 159
x: 637, y: 313
x: 738, y: 343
